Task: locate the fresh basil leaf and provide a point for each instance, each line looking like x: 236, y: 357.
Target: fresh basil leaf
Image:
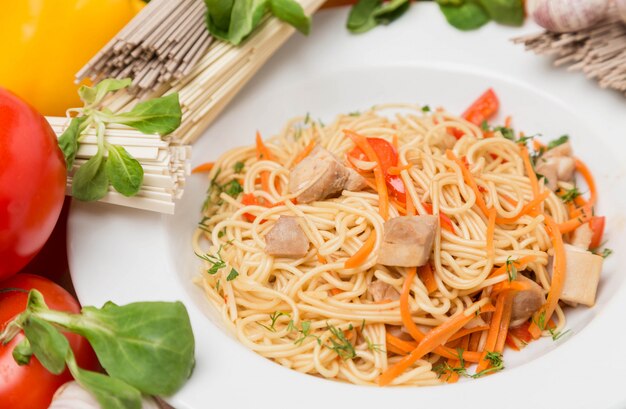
x: 47, y: 344
x: 218, y: 12
x: 160, y: 115
x: 68, y: 141
x: 110, y: 393
x: 90, y: 182
x: 246, y: 15
x: 360, y: 18
x: 22, y: 352
x: 125, y: 172
x: 510, y: 12
x: 95, y: 95
x: 467, y: 16
x: 291, y: 12
x: 390, y: 11
x: 148, y: 345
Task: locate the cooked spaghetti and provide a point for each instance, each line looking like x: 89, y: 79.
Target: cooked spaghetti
x: 327, y: 291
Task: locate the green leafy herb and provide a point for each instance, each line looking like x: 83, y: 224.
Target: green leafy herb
x: 509, y: 12
x: 232, y: 188
x: 465, y: 16
x: 144, y: 347
x: 234, y: 20
x: 154, y: 116
x: 216, y: 261
x: 273, y: 318
x: 604, y: 253
x: 125, y: 172
x: 305, y: 332
x: 556, y: 335
x: 291, y: 12
x: 221, y: 233
x: 540, y: 321
x: 495, y: 359
x: 354, y: 113
x: 511, y: 269
x: 91, y: 182
x: 232, y: 275
x: 570, y: 195
x: 426, y: 108
x: 367, y: 14
x: 339, y: 343
x: 373, y: 347
x: 68, y: 141
x: 559, y: 141
x: 506, y: 132
x: 92, y: 96
x: 22, y: 353
x: 238, y: 167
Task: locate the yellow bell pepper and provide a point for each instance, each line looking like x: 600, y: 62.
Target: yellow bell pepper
x: 45, y: 42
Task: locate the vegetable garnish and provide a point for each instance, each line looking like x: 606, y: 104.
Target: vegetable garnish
x: 367, y: 14
x: 233, y: 21
x: 145, y: 347
x: 112, y: 164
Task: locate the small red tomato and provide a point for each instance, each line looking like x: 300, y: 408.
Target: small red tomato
x: 32, y: 182
x: 32, y: 386
x: 597, y: 226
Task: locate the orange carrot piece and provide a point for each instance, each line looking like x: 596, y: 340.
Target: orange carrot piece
x: 508, y: 121
x: 262, y: 151
x: 492, y: 335
x: 425, y: 274
x: 205, y: 167
x: 321, y: 258
x: 453, y: 377
x: 505, y: 321
x: 469, y: 179
x: 305, y: 152
x: 528, y: 207
x: 558, y: 279
x: 395, y: 170
x: 394, y: 141
x: 381, y: 185
x: 518, y: 264
x: 591, y: 183
x: 402, y: 345
x: 335, y: 291
x: 468, y: 331
x: 395, y: 350
x: 530, y: 170
x: 431, y: 341
x: 360, y: 256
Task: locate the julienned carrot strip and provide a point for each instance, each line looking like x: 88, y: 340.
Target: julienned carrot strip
x: 469, y: 179
x: 591, y: 183
x: 572, y: 224
x: 508, y: 121
x: 491, y: 228
x: 506, y: 320
x: 453, y: 377
x: 360, y: 256
x: 407, y: 320
x: 305, y: 152
x: 396, y: 170
x: 425, y: 274
x: 510, y: 285
x: 468, y: 331
x: 395, y: 350
x: 528, y: 207
x: 394, y: 141
x: 321, y: 258
x: 474, y: 341
x: 492, y: 335
x: 335, y: 291
x: 534, y: 183
x: 205, y: 167
x: 404, y: 346
x: 431, y: 341
x: 263, y: 153
x: 558, y: 279
x: 381, y: 185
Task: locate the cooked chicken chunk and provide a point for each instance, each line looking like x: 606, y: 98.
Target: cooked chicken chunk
x: 407, y: 241
x: 557, y: 165
x: 320, y: 175
x: 286, y: 239
x: 582, y: 236
x: 582, y: 275
x: 355, y: 181
x: 382, y: 291
x: 525, y: 303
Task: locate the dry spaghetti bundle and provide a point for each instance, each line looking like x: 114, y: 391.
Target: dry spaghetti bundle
x: 165, y: 166
x: 221, y: 71
x: 162, y: 43
x: 598, y: 51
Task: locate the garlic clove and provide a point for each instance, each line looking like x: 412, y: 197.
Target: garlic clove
x: 564, y: 16
x: 72, y: 396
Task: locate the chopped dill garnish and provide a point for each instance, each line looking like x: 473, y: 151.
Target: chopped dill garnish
x: 273, y: 318
x: 339, y: 343
x: 426, y: 108
x: 238, y: 166
x: 556, y: 335
x: 511, y: 269
x: 541, y: 320
x: 232, y: 275
x: 373, y: 347
x: 570, y: 195
x: 495, y: 358
x: 232, y: 188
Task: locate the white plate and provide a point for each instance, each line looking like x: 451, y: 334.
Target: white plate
x: 126, y: 255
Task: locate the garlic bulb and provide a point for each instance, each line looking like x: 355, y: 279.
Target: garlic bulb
x: 72, y: 396
x: 621, y: 9
x: 563, y: 16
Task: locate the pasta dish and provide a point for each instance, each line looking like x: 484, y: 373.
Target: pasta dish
x: 403, y: 245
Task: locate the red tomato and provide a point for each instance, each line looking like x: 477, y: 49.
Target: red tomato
x: 32, y: 386
x: 32, y: 182
x: 597, y: 226
x: 483, y: 108
x: 388, y: 157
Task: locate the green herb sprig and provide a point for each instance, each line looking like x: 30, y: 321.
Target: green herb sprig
x: 495, y: 359
x: 145, y: 347
x: 112, y: 164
